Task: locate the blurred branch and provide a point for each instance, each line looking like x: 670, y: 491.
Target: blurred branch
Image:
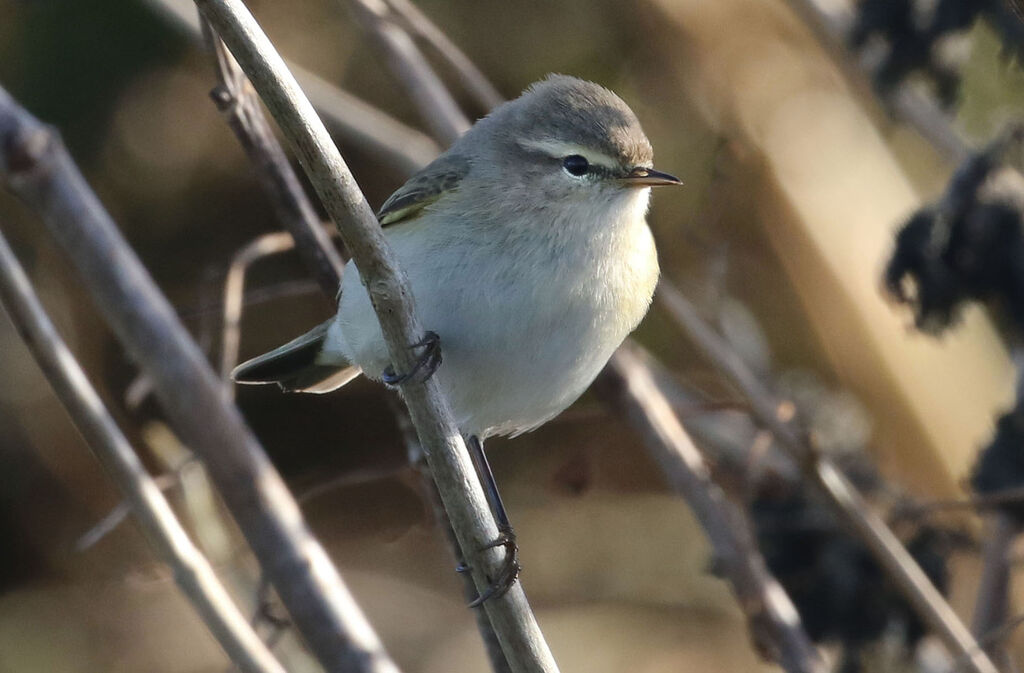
x: 880, y: 540
x: 370, y: 129
x: 410, y: 17
x: 240, y: 105
x: 192, y: 571
x: 991, y: 606
x: 119, y: 513
x: 35, y: 165
x: 234, y: 297
x: 832, y: 23
x: 726, y: 435
x: 437, y: 108
x: 449, y: 461
x: 630, y: 387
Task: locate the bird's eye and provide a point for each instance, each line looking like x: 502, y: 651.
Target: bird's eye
x: 576, y: 165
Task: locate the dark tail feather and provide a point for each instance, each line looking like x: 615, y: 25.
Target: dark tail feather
x: 296, y: 367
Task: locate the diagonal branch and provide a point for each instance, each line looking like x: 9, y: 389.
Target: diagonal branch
x: 35, y: 165
x: 876, y: 535
x: 449, y: 461
x: 438, y: 109
x: 240, y: 105
x: 192, y: 571
x: 475, y: 82
x: 629, y: 385
x: 351, y: 118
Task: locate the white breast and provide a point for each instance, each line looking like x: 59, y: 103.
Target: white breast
x: 527, y: 317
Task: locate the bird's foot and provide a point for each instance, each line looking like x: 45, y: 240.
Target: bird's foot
x: 426, y: 364
x: 510, y: 568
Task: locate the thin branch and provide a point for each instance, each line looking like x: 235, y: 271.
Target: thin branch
x: 234, y: 298
x: 366, y: 127
x: 240, y: 105
x: 192, y: 572
x: 428, y: 491
x: 436, y: 106
x: 475, y: 82
x: 118, y: 514
x: 630, y: 388
x: 879, y: 539
x: 35, y: 165
x: 449, y: 461
x: 976, y: 501
x: 991, y: 606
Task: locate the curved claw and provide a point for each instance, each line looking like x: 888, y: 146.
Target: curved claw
x: 426, y: 364
x: 510, y: 569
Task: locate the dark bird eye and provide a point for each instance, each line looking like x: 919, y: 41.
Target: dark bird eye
x: 576, y: 165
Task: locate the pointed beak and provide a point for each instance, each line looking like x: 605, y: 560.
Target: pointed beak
x: 648, y: 177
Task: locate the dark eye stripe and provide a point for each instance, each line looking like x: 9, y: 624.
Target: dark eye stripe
x: 575, y: 164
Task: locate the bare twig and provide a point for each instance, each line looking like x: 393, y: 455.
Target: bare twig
x: 449, y: 461
x: 428, y: 491
x: 34, y: 164
x: 240, y: 105
x: 475, y: 82
x: 879, y: 539
x: 234, y: 298
x: 113, y: 519
x: 774, y: 623
x: 192, y: 572
x: 992, y: 603
x: 370, y: 129
x: 438, y: 109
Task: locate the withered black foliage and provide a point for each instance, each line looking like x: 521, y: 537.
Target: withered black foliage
x: 964, y: 249
x: 911, y: 37
x: 912, y: 31
x: 1000, y: 465
x: 843, y: 596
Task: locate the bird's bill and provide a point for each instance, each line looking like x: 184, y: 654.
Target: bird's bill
x: 648, y: 177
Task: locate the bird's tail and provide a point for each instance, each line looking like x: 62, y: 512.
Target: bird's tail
x: 298, y: 366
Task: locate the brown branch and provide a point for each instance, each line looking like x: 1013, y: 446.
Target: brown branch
x: 192, y: 571
x: 35, y: 165
x: 991, y: 606
x: 428, y: 491
x: 366, y: 127
x: 449, y: 461
x: 410, y: 17
x: 436, y: 106
x: 630, y: 388
x: 879, y: 539
x: 240, y: 105
x: 234, y: 298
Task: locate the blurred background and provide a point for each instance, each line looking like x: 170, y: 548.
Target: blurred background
x: 796, y: 180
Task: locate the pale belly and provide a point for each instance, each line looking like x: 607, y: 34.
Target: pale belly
x: 520, y: 340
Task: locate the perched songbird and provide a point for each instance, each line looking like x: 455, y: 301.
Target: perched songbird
x: 528, y: 254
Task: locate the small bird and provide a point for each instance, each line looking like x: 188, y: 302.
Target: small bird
x: 528, y: 253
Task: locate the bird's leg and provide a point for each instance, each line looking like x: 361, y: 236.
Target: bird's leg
x: 426, y: 364
x: 506, y: 535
